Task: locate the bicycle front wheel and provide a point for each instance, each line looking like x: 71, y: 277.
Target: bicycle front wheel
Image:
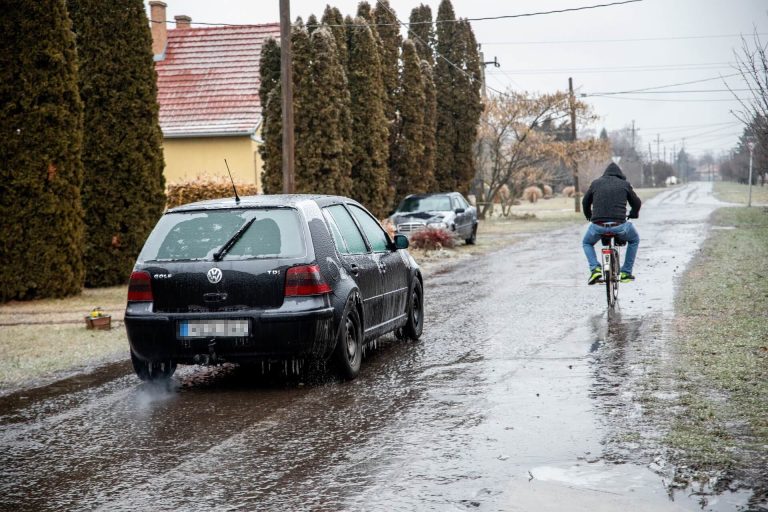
x: 615, y: 277
x: 609, y: 296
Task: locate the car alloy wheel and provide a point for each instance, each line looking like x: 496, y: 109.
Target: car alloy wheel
x: 415, y: 325
x: 349, y: 346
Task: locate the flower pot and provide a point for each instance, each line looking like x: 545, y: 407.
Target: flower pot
x: 103, y: 322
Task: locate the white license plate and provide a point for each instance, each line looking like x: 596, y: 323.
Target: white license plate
x: 213, y: 328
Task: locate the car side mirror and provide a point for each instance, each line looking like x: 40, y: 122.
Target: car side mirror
x: 459, y: 210
x: 401, y: 242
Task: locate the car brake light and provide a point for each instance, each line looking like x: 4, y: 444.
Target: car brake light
x: 140, y: 287
x: 305, y: 280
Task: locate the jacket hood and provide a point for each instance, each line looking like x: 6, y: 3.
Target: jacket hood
x: 614, y: 170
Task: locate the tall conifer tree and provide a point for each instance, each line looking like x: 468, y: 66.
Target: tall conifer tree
x: 370, y: 146
x: 468, y: 117
x: 272, y: 123
x: 41, y: 115
x: 387, y: 27
x: 312, y: 23
x: 364, y: 11
x: 447, y: 97
x: 422, y: 32
x: 409, y: 148
x: 458, y: 100
x: 327, y: 116
x: 430, y: 117
x: 124, y: 190
x: 272, y: 149
x: 333, y: 18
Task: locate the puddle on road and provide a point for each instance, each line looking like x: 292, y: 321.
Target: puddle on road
x: 627, y: 390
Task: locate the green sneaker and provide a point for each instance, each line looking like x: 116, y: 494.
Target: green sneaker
x: 595, y: 276
x: 626, y: 277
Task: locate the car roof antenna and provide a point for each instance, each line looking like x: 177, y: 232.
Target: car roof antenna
x: 237, y: 198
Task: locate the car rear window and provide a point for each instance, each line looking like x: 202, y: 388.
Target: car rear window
x: 197, y: 235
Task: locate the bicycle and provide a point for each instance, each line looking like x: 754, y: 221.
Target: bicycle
x: 611, y: 267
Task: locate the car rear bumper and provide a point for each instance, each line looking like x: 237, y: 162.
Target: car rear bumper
x: 298, y: 330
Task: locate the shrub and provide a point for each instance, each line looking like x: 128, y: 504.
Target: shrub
x: 431, y: 239
x: 569, y: 191
x: 204, y: 187
x: 547, y: 192
x: 532, y: 194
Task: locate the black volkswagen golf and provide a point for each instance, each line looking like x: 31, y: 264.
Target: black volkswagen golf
x: 282, y: 278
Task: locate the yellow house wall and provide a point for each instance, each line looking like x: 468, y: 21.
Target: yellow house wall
x: 188, y: 158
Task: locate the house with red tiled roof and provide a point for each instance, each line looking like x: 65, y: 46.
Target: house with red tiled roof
x: 208, y: 91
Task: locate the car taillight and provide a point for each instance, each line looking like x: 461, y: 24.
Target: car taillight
x: 305, y: 280
x: 140, y: 287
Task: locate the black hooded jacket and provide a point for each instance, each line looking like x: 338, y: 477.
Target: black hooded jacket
x: 607, y: 198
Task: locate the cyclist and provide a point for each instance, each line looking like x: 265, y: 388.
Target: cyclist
x: 605, y: 206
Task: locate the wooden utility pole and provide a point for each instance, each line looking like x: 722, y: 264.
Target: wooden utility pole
x: 286, y: 82
x: 572, y: 101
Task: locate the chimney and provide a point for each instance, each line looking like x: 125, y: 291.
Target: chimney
x: 159, y: 28
x: 183, y: 21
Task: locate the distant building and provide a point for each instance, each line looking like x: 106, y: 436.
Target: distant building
x: 208, y: 91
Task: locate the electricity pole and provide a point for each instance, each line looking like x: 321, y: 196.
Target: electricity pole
x: 572, y: 102
x: 751, y: 146
x: 286, y: 82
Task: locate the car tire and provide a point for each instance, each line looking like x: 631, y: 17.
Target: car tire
x: 349, y: 344
x: 415, y: 325
x: 150, y: 371
x: 473, y: 237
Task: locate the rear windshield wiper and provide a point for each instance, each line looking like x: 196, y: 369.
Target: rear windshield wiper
x: 232, y: 241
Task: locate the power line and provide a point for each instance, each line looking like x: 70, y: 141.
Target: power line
x: 688, y: 126
x: 622, y: 69
x: 438, y: 54
x: 639, y: 39
x: 711, y: 100
x: 540, y: 13
x: 670, y: 85
x: 403, y: 24
x: 679, y: 91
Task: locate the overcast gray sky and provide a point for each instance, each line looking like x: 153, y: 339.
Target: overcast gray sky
x: 625, y: 47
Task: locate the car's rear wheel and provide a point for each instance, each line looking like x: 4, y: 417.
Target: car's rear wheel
x: 415, y: 325
x: 152, y: 370
x: 473, y: 237
x: 349, y: 345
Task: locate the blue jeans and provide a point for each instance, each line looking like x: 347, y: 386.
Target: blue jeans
x: 625, y: 232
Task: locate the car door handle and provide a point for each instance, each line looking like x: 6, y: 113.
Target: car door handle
x: 354, y: 269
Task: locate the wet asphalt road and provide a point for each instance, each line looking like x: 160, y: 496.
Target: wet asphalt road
x: 508, y: 402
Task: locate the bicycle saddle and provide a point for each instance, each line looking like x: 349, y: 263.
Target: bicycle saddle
x: 606, y: 237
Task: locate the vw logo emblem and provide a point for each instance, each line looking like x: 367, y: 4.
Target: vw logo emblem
x: 215, y: 275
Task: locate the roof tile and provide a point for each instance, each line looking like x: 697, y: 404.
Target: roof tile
x: 208, y: 82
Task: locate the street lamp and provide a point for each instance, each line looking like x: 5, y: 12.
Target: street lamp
x: 751, y: 146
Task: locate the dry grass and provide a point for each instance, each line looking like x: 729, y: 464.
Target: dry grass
x: 722, y: 350
x: 43, y: 337
x: 738, y: 193
x: 31, y: 352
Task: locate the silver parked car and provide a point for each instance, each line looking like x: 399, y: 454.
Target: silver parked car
x: 442, y: 210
